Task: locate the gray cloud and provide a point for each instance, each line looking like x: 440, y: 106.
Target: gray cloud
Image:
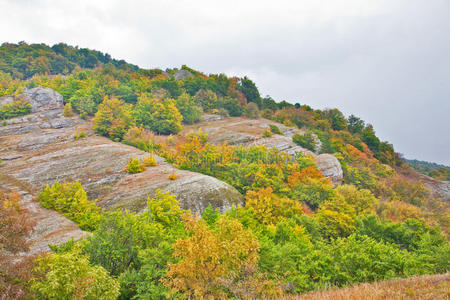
x: 386, y: 61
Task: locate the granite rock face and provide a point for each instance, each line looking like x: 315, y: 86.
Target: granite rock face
x: 247, y: 132
x: 181, y: 74
x: 330, y: 167
x: 40, y: 148
x: 438, y: 187
x: 43, y: 99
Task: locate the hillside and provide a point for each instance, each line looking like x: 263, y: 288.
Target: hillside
x: 437, y: 171
x: 180, y: 184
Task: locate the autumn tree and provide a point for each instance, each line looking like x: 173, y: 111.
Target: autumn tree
x: 68, y: 112
x: 355, y: 124
x: 158, y: 115
x: 249, y: 89
x: 112, y: 119
x: 70, y: 276
x: 208, y: 257
x: 336, y: 118
x: 15, y: 227
x: 270, y: 208
x: 189, y: 110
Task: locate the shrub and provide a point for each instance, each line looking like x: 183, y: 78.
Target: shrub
x: 275, y: 129
x: 149, y: 161
x: 142, y: 139
x: 306, y: 140
x: 189, y: 110
x: 68, y: 112
x: 206, y: 99
x: 160, y: 116
x: 361, y: 259
x: 79, y: 134
x: 173, y: 176
x: 231, y: 105
x: 15, y: 226
x: 71, y: 200
x: 70, y: 276
x: 15, y: 109
x: 267, y: 133
x: 252, y: 110
x: 134, y: 166
x: 213, y: 262
x: 112, y: 119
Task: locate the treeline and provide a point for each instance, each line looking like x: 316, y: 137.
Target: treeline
x: 24, y: 60
x: 101, y: 77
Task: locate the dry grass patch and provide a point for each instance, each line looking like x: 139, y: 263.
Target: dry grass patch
x: 428, y: 287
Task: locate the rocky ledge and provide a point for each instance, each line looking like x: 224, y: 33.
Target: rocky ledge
x: 40, y: 148
x: 247, y: 132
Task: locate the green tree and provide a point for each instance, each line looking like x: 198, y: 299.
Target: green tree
x: 71, y: 200
x: 371, y: 140
x: 336, y: 118
x: 186, y: 106
x: 355, y: 124
x: 112, y: 119
x: 70, y: 276
x: 306, y: 140
x: 160, y: 116
x: 249, y: 89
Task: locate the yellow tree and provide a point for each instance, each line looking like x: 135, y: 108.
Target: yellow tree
x: 209, y: 258
x: 112, y: 119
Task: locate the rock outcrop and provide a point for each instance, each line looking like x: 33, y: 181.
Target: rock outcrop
x: 181, y: 74
x: 40, y: 148
x: 242, y: 131
x: 330, y: 167
x: 438, y: 187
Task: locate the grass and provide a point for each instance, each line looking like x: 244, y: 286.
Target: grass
x: 426, y: 287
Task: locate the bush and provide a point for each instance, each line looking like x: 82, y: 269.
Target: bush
x: 112, y: 119
x: 173, y: 176
x: 79, y: 134
x: 361, y: 259
x: 306, y: 141
x: 160, y: 116
x: 252, y: 110
x: 186, y: 106
x: 71, y: 200
x: 231, y: 105
x: 68, y: 112
x: 70, y: 276
x: 138, y: 247
x: 142, y: 139
x: 275, y: 129
x: 207, y: 99
x: 15, y: 109
x: 149, y: 161
x: 267, y: 133
x: 134, y: 166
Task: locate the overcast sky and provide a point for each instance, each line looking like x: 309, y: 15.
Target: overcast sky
x: 385, y: 61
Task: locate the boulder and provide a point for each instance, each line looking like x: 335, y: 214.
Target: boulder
x: 330, y: 167
x: 181, y: 74
x: 43, y: 99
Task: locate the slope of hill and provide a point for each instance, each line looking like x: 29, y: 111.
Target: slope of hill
x: 434, y: 170
x: 325, y: 203
x: 41, y: 148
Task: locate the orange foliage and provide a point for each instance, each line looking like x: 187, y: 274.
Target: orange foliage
x: 207, y: 257
x: 304, y: 174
